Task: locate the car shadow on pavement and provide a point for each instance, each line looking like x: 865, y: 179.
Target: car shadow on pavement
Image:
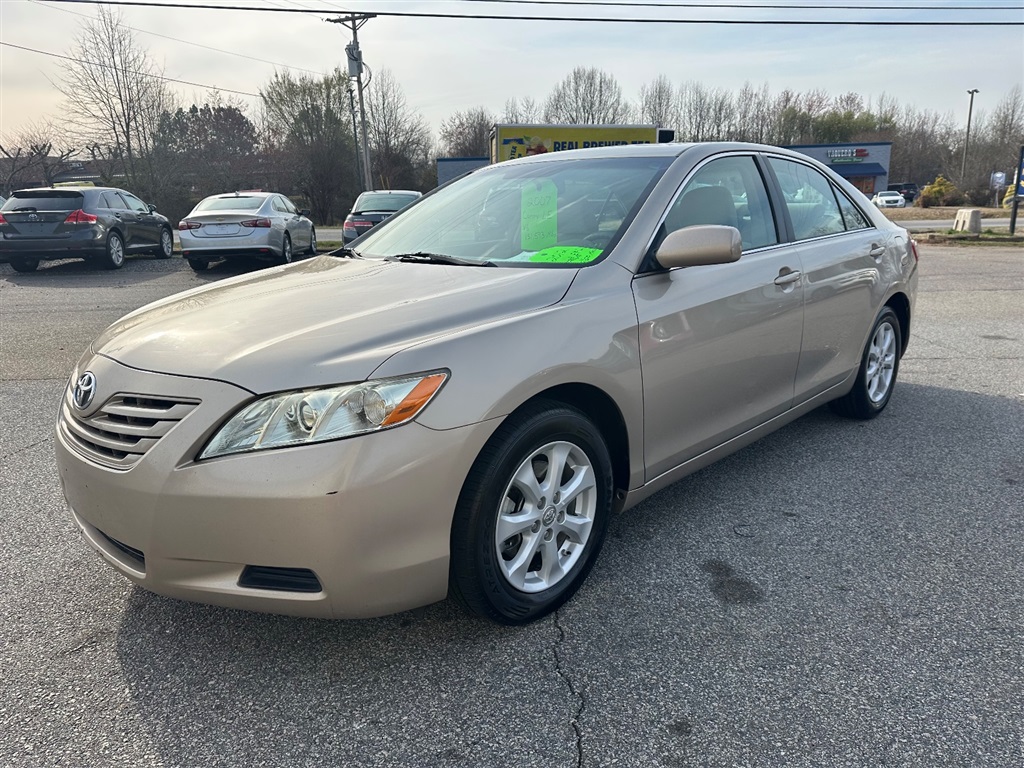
x: 786, y: 585
x: 136, y: 269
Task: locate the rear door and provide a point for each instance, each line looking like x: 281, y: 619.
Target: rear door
x: 145, y: 226
x: 123, y: 216
x: 842, y: 254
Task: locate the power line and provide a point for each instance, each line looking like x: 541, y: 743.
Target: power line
x: 187, y: 42
x: 501, y: 17
x: 730, y: 6
x: 127, y: 71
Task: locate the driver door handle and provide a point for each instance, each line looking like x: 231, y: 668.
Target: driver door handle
x: 787, y: 278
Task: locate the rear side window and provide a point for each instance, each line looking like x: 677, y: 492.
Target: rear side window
x: 44, y: 201
x: 812, y: 204
x: 113, y: 201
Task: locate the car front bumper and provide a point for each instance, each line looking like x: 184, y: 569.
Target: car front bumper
x: 369, y: 516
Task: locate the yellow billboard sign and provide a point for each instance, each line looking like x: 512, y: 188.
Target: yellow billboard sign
x: 511, y: 141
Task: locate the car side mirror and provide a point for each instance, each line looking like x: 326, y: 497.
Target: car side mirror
x: 304, y: 212
x: 700, y: 246
x: 152, y: 208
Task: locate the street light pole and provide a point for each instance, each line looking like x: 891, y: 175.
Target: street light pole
x: 967, y: 139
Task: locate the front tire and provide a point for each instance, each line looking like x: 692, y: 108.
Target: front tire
x: 25, y: 265
x: 113, y: 258
x: 876, y: 377
x: 312, y: 242
x: 532, y: 515
x: 166, y: 247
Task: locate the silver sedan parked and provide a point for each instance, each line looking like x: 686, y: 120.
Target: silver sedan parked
x: 458, y: 404
x: 245, y: 224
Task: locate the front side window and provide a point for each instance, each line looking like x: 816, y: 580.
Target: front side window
x: 809, y: 198
x: 730, y: 192
x: 134, y: 203
x: 547, y: 214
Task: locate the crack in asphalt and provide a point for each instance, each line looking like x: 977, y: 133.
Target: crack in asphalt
x: 25, y: 448
x: 582, y: 702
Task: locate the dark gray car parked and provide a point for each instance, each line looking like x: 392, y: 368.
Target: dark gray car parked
x: 98, y: 224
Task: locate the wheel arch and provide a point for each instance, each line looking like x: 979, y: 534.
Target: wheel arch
x: 900, y: 304
x: 601, y: 409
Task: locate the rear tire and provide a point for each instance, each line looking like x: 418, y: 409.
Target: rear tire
x: 166, y: 247
x: 286, y: 250
x: 198, y: 265
x: 876, y: 377
x: 25, y: 265
x: 114, y: 256
x: 532, y: 515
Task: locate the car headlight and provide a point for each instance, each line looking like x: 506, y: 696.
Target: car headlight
x: 315, y: 415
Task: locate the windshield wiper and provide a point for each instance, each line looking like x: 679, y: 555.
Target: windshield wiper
x: 345, y: 253
x: 421, y: 257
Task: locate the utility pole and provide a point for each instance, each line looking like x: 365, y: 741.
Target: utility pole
x: 355, y: 71
x: 967, y: 140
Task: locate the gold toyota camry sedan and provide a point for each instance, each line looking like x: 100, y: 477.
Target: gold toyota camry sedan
x: 456, y: 404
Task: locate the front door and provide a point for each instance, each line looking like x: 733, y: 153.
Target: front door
x: 719, y: 345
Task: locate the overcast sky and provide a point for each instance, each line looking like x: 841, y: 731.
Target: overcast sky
x: 445, y: 65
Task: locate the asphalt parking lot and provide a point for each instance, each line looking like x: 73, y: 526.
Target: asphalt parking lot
x: 838, y: 594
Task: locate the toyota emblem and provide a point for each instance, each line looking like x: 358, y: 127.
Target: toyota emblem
x: 84, y: 391
x: 33, y: 217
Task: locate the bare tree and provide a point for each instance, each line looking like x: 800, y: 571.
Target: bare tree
x: 587, y: 96
x: 467, y: 134
x: 114, y: 96
x: 525, y: 111
x: 659, y: 105
x: 307, y: 130
x: 400, y: 141
x: 36, y: 155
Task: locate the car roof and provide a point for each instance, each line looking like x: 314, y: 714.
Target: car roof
x: 83, y: 188
x: 392, y: 192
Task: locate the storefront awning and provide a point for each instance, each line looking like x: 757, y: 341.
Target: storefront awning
x: 849, y: 170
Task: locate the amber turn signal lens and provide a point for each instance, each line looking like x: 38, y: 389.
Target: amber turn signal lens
x: 415, y: 400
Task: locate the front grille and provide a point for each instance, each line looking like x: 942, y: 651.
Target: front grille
x: 133, y: 554
x: 123, y: 430
x: 279, y: 579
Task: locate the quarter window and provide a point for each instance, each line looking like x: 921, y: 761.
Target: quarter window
x: 811, y: 203
x: 852, y: 215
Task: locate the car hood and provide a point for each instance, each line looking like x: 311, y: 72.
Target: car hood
x: 321, y: 321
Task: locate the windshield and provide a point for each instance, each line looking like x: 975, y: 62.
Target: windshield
x: 235, y: 203
x: 547, y: 214
x: 381, y: 201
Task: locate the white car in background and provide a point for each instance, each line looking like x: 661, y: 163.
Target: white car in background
x: 889, y: 200
x: 245, y: 224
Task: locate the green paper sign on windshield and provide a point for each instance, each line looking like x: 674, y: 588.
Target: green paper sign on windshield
x: 566, y: 254
x: 539, y: 215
